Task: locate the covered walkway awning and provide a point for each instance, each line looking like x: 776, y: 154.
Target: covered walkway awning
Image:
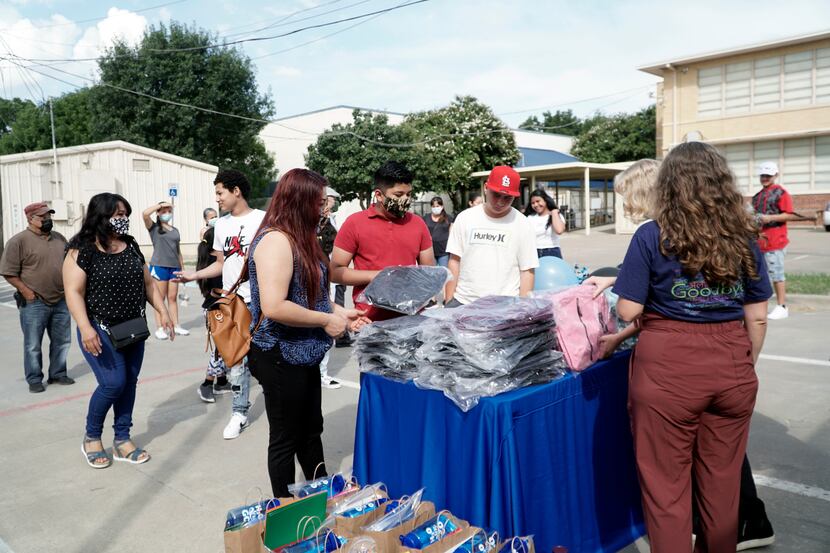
x: 577, y: 170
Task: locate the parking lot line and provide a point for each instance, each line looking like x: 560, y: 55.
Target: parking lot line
x: 792, y: 487
x: 801, y: 360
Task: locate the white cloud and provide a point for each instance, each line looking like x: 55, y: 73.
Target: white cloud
x: 119, y: 25
x: 286, y: 71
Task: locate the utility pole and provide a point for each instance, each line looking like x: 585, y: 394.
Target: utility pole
x: 57, y: 191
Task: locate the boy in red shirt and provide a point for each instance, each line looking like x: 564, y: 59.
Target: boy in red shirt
x: 774, y: 207
x: 384, y: 235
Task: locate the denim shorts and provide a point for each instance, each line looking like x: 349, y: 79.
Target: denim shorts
x: 775, y: 264
x: 163, y: 273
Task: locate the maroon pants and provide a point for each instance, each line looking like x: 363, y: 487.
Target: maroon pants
x: 691, y: 395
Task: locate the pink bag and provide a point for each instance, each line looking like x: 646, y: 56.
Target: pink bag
x: 580, y: 322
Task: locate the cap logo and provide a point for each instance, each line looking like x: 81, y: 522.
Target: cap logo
x: 505, y: 181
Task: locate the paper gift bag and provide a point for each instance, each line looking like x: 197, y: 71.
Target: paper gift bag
x: 352, y: 526
x: 532, y: 548
x: 464, y: 531
x: 285, y: 524
x: 244, y: 540
x: 389, y: 541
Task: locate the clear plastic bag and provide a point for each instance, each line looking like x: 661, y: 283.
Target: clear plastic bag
x: 405, y: 290
x: 397, y: 513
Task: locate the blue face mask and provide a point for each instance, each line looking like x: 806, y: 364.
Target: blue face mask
x: 166, y: 217
x: 212, y: 222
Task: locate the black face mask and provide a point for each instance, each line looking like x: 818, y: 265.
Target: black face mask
x: 396, y: 207
x: 46, y: 226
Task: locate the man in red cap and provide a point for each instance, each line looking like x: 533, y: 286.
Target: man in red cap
x: 492, y: 246
x: 32, y: 263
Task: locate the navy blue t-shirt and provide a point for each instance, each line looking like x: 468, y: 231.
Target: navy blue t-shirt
x: 650, y: 278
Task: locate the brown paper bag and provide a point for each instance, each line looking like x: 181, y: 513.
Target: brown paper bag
x: 464, y: 532
x: 245, y: 540
x: 352, y: 526
x: 389, y: 542
x: 507, y: 542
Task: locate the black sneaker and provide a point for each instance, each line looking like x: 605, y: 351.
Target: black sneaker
x: 37, y: 388
x: 220, y: 389
x: 755, y: 533
x: 206, y: 393
x: 63, y: 380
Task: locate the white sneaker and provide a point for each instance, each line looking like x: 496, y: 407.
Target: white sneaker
x: 780, y: 312
x: 235, y: 425
x: 161, y: 334
x: 329, y: 383
x: 182, y: 331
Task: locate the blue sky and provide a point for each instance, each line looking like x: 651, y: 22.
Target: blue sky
x: 519, y: 56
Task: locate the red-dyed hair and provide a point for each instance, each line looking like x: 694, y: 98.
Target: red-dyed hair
x: 295, y: 211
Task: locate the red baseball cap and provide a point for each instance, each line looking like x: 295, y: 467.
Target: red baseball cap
x: 504, y: 180
x: 37, y: 208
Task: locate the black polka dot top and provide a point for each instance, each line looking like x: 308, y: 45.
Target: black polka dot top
x: 114, y: 283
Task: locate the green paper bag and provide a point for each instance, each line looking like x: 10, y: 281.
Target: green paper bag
x: 286, y: 523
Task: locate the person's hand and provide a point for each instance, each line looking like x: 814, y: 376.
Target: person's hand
x: 91, y: 341
x: 335, y: 325
x: 168, y: 326
x: 764, y: 218
x: 601, y: 283
x: 360, y: 322
x: 28, y: 295
x: 608, y: 344
x: 184, y: 276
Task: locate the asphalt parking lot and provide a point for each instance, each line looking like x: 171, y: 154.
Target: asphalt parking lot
x: 51, y: 501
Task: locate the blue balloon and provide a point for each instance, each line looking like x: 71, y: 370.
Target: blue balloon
x: 554, y: 272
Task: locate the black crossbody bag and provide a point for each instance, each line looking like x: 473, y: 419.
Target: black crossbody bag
x: 129, y: 332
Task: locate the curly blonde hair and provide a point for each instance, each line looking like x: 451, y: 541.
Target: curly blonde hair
x: 702, y: 217
x: 636, y: 185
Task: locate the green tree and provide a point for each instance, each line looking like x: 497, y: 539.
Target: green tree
x: 621, y: 137
x: 215, y: 78
x: 559, y: 122
x: 455, y: 141
x: 25, y: 126
x: 348, y: 162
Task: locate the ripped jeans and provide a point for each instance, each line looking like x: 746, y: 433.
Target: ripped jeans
x: 239, y: 377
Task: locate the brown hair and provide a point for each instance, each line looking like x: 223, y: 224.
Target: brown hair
x: 701, y: 215
x: 636, y: 186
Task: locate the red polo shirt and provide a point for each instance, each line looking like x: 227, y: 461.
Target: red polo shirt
x: 377, y: 242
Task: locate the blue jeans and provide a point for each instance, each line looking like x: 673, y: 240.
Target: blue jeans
x: 35, y: 318
x: 443, y: 260
x: 239, y: 377
x: 117, y: 375
x: 549, y: 252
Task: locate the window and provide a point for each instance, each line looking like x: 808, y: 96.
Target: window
x: 822, y: 75
x: 739, y: 158
x: 798, y: 79
x: 709, y: 96
x: 767, y: 84
x: 822, y: 168
x: 794, y: 80
x: 141, y: 164
x: 797, y: 159
x: 737, y: 88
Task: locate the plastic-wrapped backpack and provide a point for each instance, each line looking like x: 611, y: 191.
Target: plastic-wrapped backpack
x: 581, y: 320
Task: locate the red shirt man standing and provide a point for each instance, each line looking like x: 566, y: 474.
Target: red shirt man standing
x: 384, y: 235
x: 774, y: 207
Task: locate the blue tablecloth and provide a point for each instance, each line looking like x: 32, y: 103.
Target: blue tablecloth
x: 554, y: 460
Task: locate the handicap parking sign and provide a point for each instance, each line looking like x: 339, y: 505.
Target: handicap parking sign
x: 173, y: 190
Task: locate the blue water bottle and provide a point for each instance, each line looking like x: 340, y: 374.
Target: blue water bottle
x: 248, y: 514
x: 316, y: 545
x: 333, y: 485
x: 478, y: 543
x: 432, y: 531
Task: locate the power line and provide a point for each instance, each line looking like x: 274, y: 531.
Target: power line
x: 281, y: 22
x: 100, y: 18
x: 572, y: 102
x: 240, y: 41
x: 275, y: 122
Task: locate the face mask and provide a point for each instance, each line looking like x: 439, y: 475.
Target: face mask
x: 46, y: 226
x: 166, y: 217
x: 437, y: 210
x: 396, y: 207
x: 120, y: 225
x: 212, y: 222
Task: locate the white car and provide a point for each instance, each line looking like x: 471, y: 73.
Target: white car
x: 827, y: 217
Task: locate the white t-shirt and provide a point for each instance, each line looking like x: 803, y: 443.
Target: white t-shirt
x: 493, y: 252
x: 546, y: 237
x: 232, y: 236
